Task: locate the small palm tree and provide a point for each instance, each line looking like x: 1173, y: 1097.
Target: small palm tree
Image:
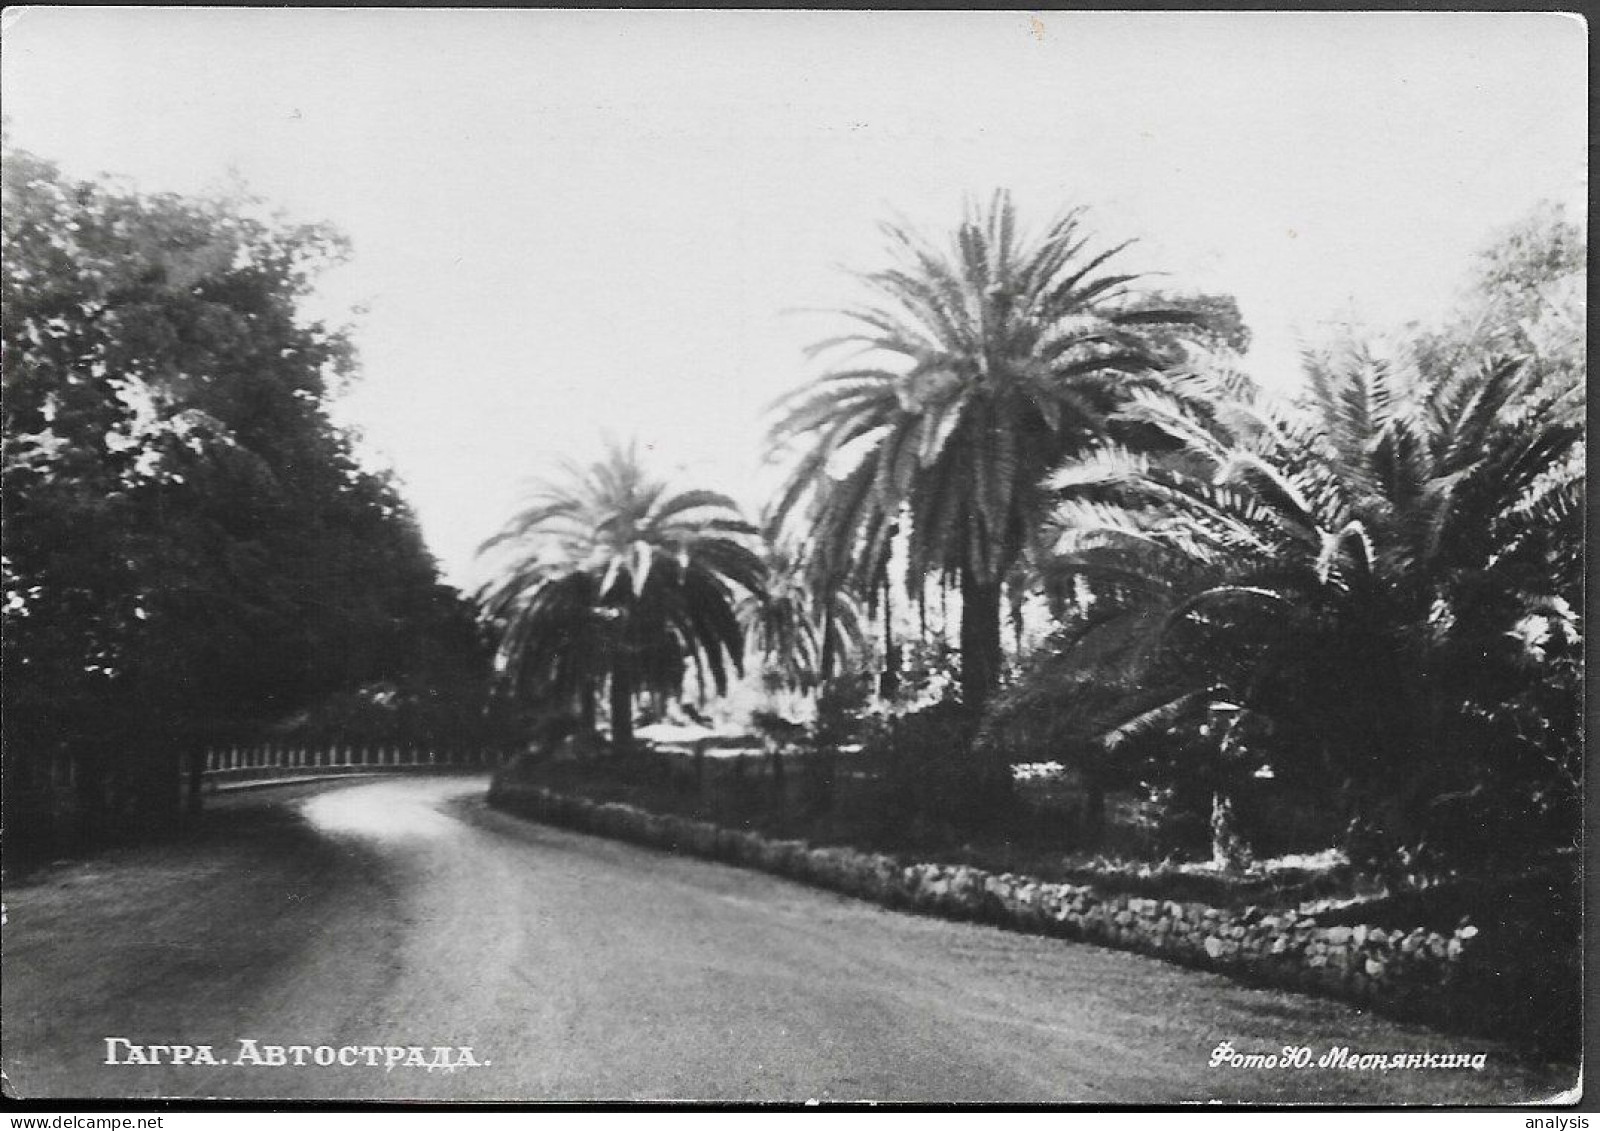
x: 613, y: 577
x: 1378, y: 572
x: 802, y: 634
x: 988, y: 365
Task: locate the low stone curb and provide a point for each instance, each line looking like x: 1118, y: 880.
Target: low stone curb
x: 1417, y: 973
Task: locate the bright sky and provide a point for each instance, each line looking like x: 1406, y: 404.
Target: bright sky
x: 566, y: 222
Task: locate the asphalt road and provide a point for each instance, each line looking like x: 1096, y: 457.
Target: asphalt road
x: 403, y: 912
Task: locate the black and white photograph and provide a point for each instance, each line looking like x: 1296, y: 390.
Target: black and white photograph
x: 793, y: 557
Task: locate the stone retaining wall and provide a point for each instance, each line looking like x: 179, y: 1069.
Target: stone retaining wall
x: 1413, y: 973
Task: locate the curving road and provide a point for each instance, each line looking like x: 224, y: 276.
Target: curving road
x: 404, y: 912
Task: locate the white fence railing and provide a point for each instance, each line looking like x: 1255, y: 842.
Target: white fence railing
x: 275, y: 759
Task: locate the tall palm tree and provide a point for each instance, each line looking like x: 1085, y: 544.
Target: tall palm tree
x: 614, y: 577
x: 979, y: 368
x: 1381, y: 572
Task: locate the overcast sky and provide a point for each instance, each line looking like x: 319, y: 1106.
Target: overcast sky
x: 570, y: 221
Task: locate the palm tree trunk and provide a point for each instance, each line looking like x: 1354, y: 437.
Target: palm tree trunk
x: 889, y: 682
x: 622, y: 703
x: 1229, y: 851
x: 828, y: 632
x: 586, y: 709
x: 980, y: 640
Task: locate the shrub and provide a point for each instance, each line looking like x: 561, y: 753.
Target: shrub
x: 936, y: 778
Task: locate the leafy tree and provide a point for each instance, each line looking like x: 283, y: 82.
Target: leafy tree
x: 191, y: 548
x: 986, y: 365
x: 441, y: 693
x: 1525, y: 297
x: 615, y: 577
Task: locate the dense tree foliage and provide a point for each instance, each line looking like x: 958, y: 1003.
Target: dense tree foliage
x: 1382, y: 585
x: 1373, y: 593
x: 1371, y: 577
x: 191, y: 548
x: 615, y: 578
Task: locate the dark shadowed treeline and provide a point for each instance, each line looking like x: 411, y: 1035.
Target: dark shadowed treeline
x: 192, y: 550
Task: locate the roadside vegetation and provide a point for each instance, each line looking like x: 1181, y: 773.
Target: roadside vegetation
x: 1043, y: 545
x: 1051, y: 585
x: 1056, y: 589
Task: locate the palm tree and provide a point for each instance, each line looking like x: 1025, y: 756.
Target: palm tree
x: 1382, y: 572
x: 986, y: 366
x: 804, y: 635
x: 615, y: 577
